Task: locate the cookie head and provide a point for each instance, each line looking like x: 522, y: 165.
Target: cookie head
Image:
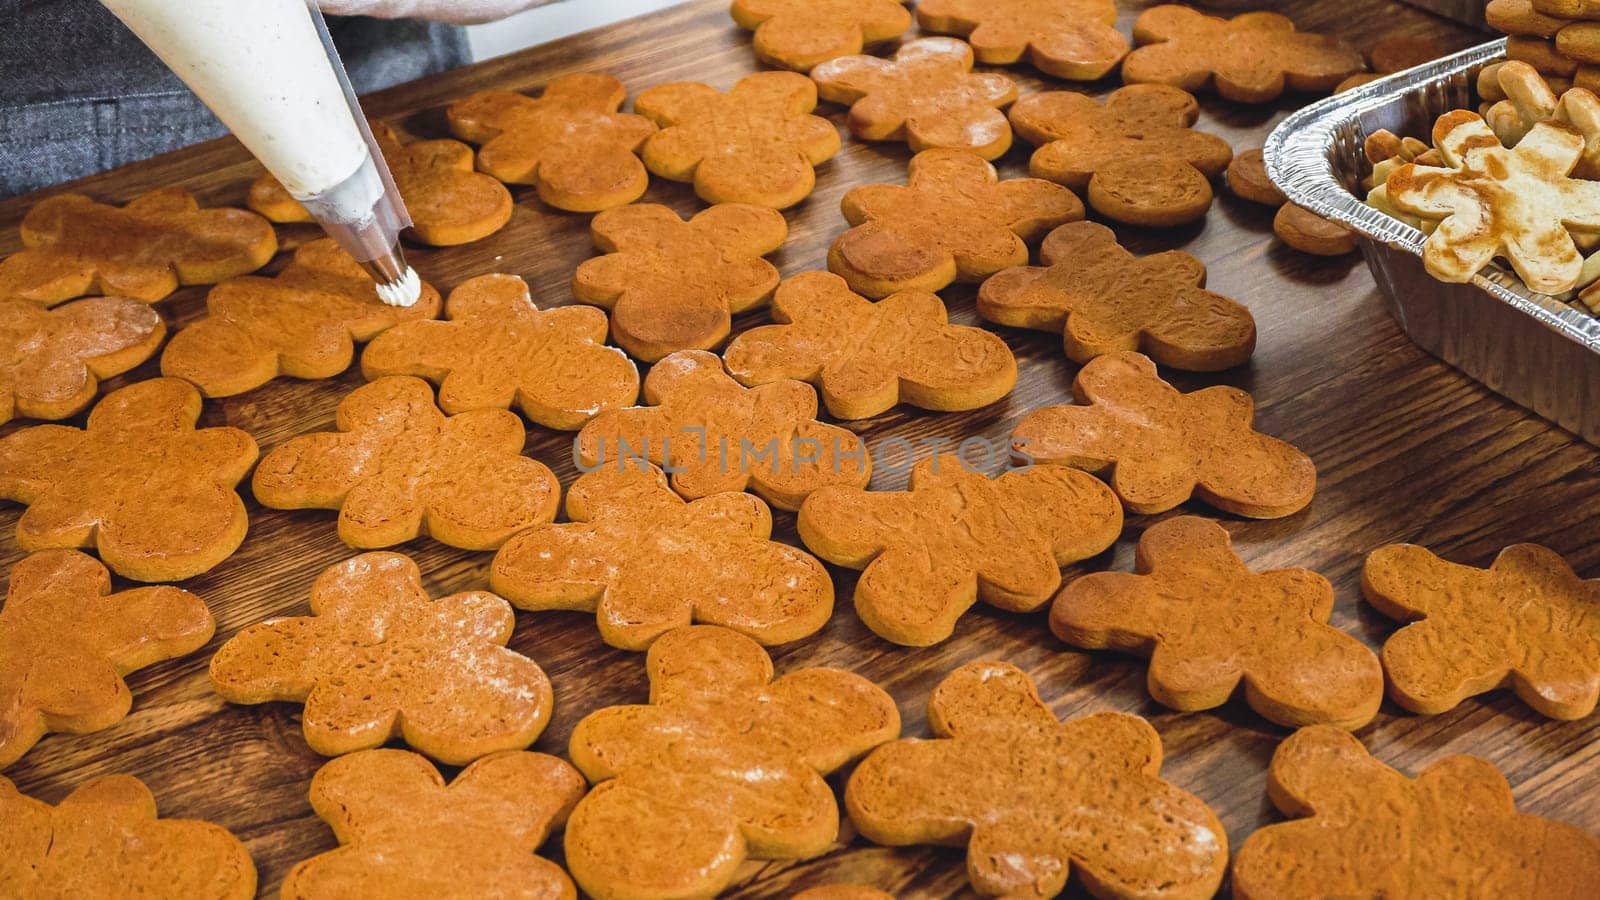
x: 799, y: 34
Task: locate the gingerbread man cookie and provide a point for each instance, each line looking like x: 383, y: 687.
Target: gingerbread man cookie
x: 52, y: 360
x: 1251, y: 58
x: 397, y: 467
x: 1362, y: 829
x: 405, y: 833
x: 756, y: 144
x: 1492, y: 201
x: 303, y: 322
x: 379, y: 659
x: 715, y: 435
x: 571, y: 143
x: 73, y: 246
x: 1162, y: 447
x: 645, y: 561
x: 798, y: 34
x: 1071, y: 39
x: 153, y: 495
x: 1137, y: 157
x: 66, y: 642
x: 927, y: 96
x: 655, y: 310
x: 499, y: 349
x: 1035, y: 800
x: 1104, y: 300
x: 105, y: 840
x: 725, y: 763
x: 957, y: 537
x: 866, y: 357
x: 1207, y: 622
x: 449, y: 203
x: 955, y: 220
x: 1527, y: 621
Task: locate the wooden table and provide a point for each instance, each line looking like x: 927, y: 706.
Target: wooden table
x: 1408, y: 450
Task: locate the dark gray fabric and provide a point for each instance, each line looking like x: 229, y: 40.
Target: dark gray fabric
x: 80, y: 94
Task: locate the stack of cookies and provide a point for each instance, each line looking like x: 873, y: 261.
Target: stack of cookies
x: 1560, y: 38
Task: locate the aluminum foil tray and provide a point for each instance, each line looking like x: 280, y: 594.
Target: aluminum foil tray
x: 1536, y: 350
x: 1468, y: 12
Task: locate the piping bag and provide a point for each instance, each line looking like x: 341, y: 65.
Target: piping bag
x: 268, y: 69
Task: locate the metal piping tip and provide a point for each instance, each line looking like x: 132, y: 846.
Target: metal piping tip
x: 398, y: 283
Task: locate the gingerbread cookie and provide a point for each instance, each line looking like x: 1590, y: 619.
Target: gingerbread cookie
x: 66, y: 641
x: 798, y: 34
x: 1493, y: 202
x: 1248, y: 178
x: 499, y: 349
x: 1071, y: 39
x: 51, y: 361
x: 866, y: 357
x: 724, y: 764
x: 1308, y: 232
x: 927, y: 96
x: 1207, y: 622
x: 1363, y: 829
x: 1035, y: 800
x: 571, y: 143
x: 398, y: 467
x: 1104, y: 300
x: 756, y: 144
x: 404, y: 833
x: 655, y: 310
x: 1137, y: 156
x: 957, y: 537
x: 1569, y: 9
x: 1527, y: 622
x: 379, y: 659
x: 449, y: 203
x: 105, y: 840
x: 1521, y: 18
x: 303, y: 323
x: 715, y: 435
x: 73, y: 246
x: 955, y: 220
x: 153, y: 495
x: 1161, y: 446
x: 645, y: 561
x: 1251, y: 58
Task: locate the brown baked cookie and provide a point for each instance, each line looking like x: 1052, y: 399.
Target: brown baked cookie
x: 1104, y: 299
x: 843, y: 892
x: 152, y: 494
x: 1569, y: 9
x: 105, y: 840
x: 1248, y: 178
x: 449, y: 203
x: 73, y: 246
x: 1580, y: 42
x: 1527, y: 622
x: 724, y: 764
x: 404, y: 833
x: 379, y: 659
x: 66, y: 641
x: 1251, y: 58
x: 798, y: 34
x: 571, y: 143
x: 1137, y: 156
x: 1035, y: 800
x: 303, y: 322
x: 1542, y: 55
x: 756, y: 144
x: 956, y: 537
x: 865, y: 357
x: 645, y: 561
x: 1161, y: 447
x: 715, y: 435
x: 52, y: 360
x: 1519, y: 17
x: 1363, y: 829
x: 655, y: 310
x: 927, y: 96
x: 1207, y: 622
x: 1071, y: 39
x: 499, y: 349
x: 397, y: 468
x: 955, y: 220
x: 1308, y: 232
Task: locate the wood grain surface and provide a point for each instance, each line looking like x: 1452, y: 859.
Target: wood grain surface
x: 1407, y: 449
